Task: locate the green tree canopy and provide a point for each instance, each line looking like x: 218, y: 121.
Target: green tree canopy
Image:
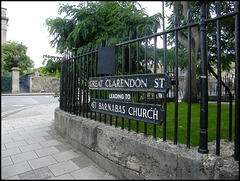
x: 227, y: 29
x: 52, y: 66
x: 180, y: 10
x: 93, y: 22
x: 13, y: 54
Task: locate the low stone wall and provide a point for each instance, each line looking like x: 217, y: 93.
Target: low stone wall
x: 44, y: 84
x: 129, y: 155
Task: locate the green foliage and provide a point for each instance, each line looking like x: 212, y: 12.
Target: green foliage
x: 97, y: 21
x: 3, y: 64
x: 227, y: 31
x: 13, y: 54
x: 182, y: 58
x: 52, y: 66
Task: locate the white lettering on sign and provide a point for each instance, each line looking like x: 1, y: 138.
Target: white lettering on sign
x: 137, y: 111
x: 140, y: 82
x: 122, y: 83
x: 159, y: 83
x: 120, y: 96
x: 143, y: 112
x: 95, y: 83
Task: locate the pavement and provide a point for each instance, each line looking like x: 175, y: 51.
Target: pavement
x: 31, y: 149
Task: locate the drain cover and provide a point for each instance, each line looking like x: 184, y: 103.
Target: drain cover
x: 44, y: 176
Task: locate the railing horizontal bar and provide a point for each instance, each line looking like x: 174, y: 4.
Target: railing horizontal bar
x: 221, y: 17
x: 157, y: 34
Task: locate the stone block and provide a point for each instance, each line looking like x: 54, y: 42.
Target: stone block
x: 130, y: 155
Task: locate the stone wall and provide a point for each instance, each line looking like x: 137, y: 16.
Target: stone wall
x: 129, y: 155
x: 44, y: 84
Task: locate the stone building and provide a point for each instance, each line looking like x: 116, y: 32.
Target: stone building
x: 4, y: 24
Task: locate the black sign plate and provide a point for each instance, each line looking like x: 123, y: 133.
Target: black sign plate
x: 121, y: 96
x: 137, y: 111
x: 138, y: 83
x: 106, y: 60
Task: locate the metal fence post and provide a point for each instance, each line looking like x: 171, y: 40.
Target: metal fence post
x: 237, y: 104
x: 73, y: 80
x: 203, y: 143
x: 61, y: 84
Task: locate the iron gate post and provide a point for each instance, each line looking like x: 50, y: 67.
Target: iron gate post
x: 203, y: 143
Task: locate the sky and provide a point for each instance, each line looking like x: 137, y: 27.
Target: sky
x: 27, y: 19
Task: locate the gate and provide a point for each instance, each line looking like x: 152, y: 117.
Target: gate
x: 87, y: 89
x: 6, y: 83
x: 24, y: 84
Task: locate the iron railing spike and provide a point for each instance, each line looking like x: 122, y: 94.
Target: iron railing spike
x: 189, y: 17
x: 130, y: 35
x: 155, y: 27
x: 236, y: 5
x: 106, y: 43
x: 146, y: 30
x: 138, y: 33
x: 123, y: 37
x: 176, y: 21
x: 218, y: 8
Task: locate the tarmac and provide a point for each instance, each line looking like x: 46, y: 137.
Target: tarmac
x: 31, y: 149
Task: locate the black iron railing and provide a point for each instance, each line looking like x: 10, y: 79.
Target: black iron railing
x: 79, y: 65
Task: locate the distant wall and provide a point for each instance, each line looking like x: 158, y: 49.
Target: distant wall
x: 44, y: 84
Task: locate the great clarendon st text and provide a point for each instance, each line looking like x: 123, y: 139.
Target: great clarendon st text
x: 126, y: 83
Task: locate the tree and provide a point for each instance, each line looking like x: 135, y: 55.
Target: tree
x: 180, y: 9
x: 52, y: 67
x: 93, y: 22
x: 14, y: 55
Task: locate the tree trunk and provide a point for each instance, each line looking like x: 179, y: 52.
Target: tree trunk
x: 194, y: 46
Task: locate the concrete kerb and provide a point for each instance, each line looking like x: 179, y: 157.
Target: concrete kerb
x: 128, y: 155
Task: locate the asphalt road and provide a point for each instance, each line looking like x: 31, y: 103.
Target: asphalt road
x: 12, y: 104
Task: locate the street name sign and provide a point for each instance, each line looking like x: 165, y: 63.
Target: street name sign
x: 149, y: 113
x: 158, y: 83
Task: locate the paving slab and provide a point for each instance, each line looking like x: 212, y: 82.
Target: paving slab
x: 27, y: 148
x: 15, y: 169
x: 89, y: 172
x: 6, y: 161
x: 47, y: 151
x: 9, y: 152
x: 42, y: 162
x: 64, y: 156
x: 32, y: 150
x: 63, y: 168
x: 22, y: 157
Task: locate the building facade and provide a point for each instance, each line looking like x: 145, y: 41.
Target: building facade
x: 4, y: 24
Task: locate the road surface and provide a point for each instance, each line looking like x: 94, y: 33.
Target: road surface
x: 13, y: 104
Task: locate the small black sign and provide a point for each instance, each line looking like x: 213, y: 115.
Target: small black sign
x: 106, y: 60
x: 137, y: 111
x: 140, y: 82
x: 122, y: 96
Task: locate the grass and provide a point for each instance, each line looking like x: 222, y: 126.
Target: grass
x: 195, y: 123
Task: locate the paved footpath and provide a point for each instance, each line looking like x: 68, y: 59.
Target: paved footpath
x: 31, y: 149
